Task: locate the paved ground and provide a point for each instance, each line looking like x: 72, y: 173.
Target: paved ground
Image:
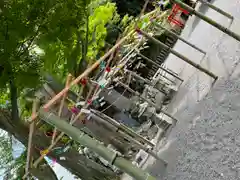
x: 204, y: 145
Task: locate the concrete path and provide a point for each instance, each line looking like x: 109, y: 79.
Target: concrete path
x: 200, y: 146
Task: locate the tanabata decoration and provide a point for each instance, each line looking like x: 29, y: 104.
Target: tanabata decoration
x: 102, y: 83
x: 57, y: 150
x: 108, y: 69
x: 44, y: 152
x: 62, y: 158
x: 89, y: 101
x: 49, y: 133
x: 83, y: 81
x: 75, y: 110
x: 50, y: 161
x: 102, y: 65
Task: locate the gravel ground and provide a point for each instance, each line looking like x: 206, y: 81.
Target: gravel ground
x: 207, y: 138
x: 204, y: 145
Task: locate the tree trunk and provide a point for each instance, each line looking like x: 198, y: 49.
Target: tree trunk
x: 14, y: 97
x: 75, y: 163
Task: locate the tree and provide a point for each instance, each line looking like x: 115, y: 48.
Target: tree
x: 79, y: 39
x: 69, y: 33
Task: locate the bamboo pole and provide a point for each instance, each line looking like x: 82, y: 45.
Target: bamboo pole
x: 73, y: 120
x: 208, y: 20
x: 31, y: 132
x: 148, y: 101
x: 184, y: 58
x: 160, y: 67
x: 179, y: 37
x: 96, y: 146
x: 217, y: 9
x: 95, y: 65
x: 123, y: 127
x: 69, y: 77
x: 130, y: 138
x: 85, y: 73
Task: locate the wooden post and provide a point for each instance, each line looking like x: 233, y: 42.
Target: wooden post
x: 31, y: 133
x: 96, y: 146
x: 217, y: 9
x: 68, y: 80
x: 146, y: 100
x: 179, y: 37
x: 184, y: 58
x: 208, y: 20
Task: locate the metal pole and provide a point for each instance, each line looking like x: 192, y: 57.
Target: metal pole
x: 208, y: 20
x: 148, y: 101
x: 184, y: 58
x: 159, y: 66
x: 217, y: 9
x: 122, y: 127
x: 130, y: 138
x: 144, y: 80
x: 179, y: 37
x: 96, y: 146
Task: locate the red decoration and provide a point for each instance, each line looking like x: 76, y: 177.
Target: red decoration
x: 89, y: 101
x: 83, y: 81
x: 75, y: 110
x: 108, y: 69
x: 172, y: 17
x: 138, y: 30
x: 49, y: 134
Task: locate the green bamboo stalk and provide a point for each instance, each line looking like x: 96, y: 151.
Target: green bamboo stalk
x: 208, y: 20
x: 147, y: 100
x: 96, y: 146
x: 217, y: 9
x: 122, y: 127
x: 184, y: 58
x: 179, y: 37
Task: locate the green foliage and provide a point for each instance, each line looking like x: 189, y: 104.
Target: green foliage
x: 75, y: 33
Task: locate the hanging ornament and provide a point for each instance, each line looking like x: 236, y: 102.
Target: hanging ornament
x: 95, y: 102
x: 62, y: 158
x: 54, y: 161
x: 80, y: 104
x: 49, y: 133
x: 75, y: 110
x: 102, y: 65
x: 83, y: 81
x: 44, y: 152
x: 70, y: 106
x: 50, y: 161
x: 138, y: 31
x: 89, y: 101
x: 108, y: 69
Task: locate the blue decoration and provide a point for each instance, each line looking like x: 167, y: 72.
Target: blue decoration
x: 102, y: 65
